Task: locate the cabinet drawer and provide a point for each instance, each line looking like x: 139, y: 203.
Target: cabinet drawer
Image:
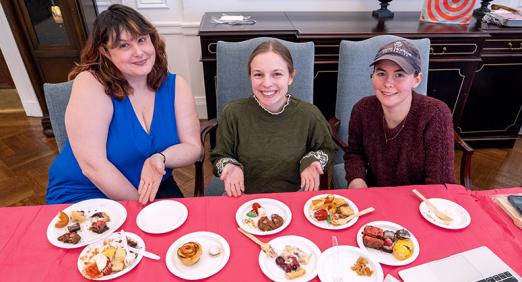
x: 454, y: 49
x: 503, y: 46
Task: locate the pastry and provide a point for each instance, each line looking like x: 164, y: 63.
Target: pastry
x: 361, y: 267
x: 301, y: 255
x: 295, y: 274
x: 101, y: 215
x: 63, y: 220
x: 403, y: 249
x: 99, y: 226
x: 189, y: 253
x: 73, y: 228
x: 70, y: 238
x: 78, y: 216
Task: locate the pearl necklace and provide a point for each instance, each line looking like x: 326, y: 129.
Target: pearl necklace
x: 384, y: 126
x: 275, y: 113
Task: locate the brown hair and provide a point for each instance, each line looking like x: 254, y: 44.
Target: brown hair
x: 108, y: 26
x: 276, y: 47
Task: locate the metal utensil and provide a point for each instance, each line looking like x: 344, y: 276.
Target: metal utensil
x: 129, y: 249
x: 264, y: 246
x: 446, y: 219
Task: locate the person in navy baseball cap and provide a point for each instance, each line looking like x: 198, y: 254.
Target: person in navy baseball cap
x: 403, y: 53
x: 397, y: 136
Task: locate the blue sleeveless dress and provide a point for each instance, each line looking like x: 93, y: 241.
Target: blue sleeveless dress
x: 128, y: 146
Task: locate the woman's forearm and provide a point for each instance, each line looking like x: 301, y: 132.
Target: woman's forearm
x: 182, y: 154
x: 110, y: 181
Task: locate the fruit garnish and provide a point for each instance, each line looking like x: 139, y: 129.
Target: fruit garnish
x: 63, y: 220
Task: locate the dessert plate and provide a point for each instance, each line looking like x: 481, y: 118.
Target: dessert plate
x: 461, y: 217
x: 309, y: 213
x: 162, y: 216
x: 338, y: 261
x: 274, y: 272
x: 270, y: 206
x: 207, y: 265
x: 113, y: 209
x: 381, y: 256
x: 115, y: 241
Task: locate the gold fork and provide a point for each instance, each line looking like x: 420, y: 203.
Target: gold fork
x: 342, y: 221
x: 446, y: 219
x: 264, y: 246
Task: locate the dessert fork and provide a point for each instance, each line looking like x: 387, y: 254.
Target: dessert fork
x: 446, y: 219
x: 264, y: 246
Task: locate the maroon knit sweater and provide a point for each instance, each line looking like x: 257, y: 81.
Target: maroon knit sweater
x: 421, y: 153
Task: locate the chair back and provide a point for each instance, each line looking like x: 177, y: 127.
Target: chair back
x: 233, y: 80
x: 354, y: 83
x: 57, y: 96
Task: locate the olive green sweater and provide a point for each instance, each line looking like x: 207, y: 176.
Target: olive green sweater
x: 272, y: 149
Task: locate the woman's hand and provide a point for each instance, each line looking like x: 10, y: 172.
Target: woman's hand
x: 310, y: 177
x: 357, y: 183
x: 233, y: 178
x: 151, y: 175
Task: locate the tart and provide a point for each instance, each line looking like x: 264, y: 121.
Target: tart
x: 189, y: 253
x: 63, y: 220
x: 403, y: 249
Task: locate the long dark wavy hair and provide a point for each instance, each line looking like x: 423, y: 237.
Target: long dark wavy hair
x: 107, y: 28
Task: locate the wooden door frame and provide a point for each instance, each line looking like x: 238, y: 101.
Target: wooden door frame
x: 26, y: 44
x: 12, y: 15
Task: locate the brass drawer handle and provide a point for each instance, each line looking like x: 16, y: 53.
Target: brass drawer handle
x: 444, y: 49
x: 514, y: 48
x: 209, y: 46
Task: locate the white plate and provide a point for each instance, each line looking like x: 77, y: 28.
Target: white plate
x: 381, y: 256
x: 339, y: 263
x: 461, y: 217
x: 271, y: 206
x: 207, y: 265
x: 115, y: 210
x: 323, y: 224
x: 162, y: 216
x: 274, y: 272
x: 99, y: 244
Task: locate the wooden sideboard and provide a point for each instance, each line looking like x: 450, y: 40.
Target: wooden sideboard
x: 473, y: 68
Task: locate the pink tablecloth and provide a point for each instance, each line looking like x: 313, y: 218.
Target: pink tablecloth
x: 26, y: 255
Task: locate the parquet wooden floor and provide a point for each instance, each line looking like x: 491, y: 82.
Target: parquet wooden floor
x: 26, y: 154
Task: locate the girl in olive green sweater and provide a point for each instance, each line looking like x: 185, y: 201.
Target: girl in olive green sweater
x: 271, y: 141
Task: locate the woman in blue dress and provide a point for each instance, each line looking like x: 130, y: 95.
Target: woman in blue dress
x: 129, y: 121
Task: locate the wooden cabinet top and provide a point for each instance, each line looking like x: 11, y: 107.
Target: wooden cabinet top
x: 305, y: 25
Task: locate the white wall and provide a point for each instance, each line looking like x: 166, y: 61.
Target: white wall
x: 178, y: 22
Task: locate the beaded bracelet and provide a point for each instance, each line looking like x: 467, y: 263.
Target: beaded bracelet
x: 164, y: 158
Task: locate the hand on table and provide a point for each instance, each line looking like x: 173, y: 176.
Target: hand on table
x: 151, y: 175
x: 310, y: 177
x: 234, y: 180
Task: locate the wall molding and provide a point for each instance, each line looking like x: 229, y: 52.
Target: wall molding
x: 177, y: 28
x: 152, y: 4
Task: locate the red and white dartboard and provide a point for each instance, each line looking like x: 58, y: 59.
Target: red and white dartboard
x: 448, y: 11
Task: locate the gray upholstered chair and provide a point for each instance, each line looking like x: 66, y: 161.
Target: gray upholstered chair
x: 57, y: 96
x: 234, y: 83
x: 354, y: 83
